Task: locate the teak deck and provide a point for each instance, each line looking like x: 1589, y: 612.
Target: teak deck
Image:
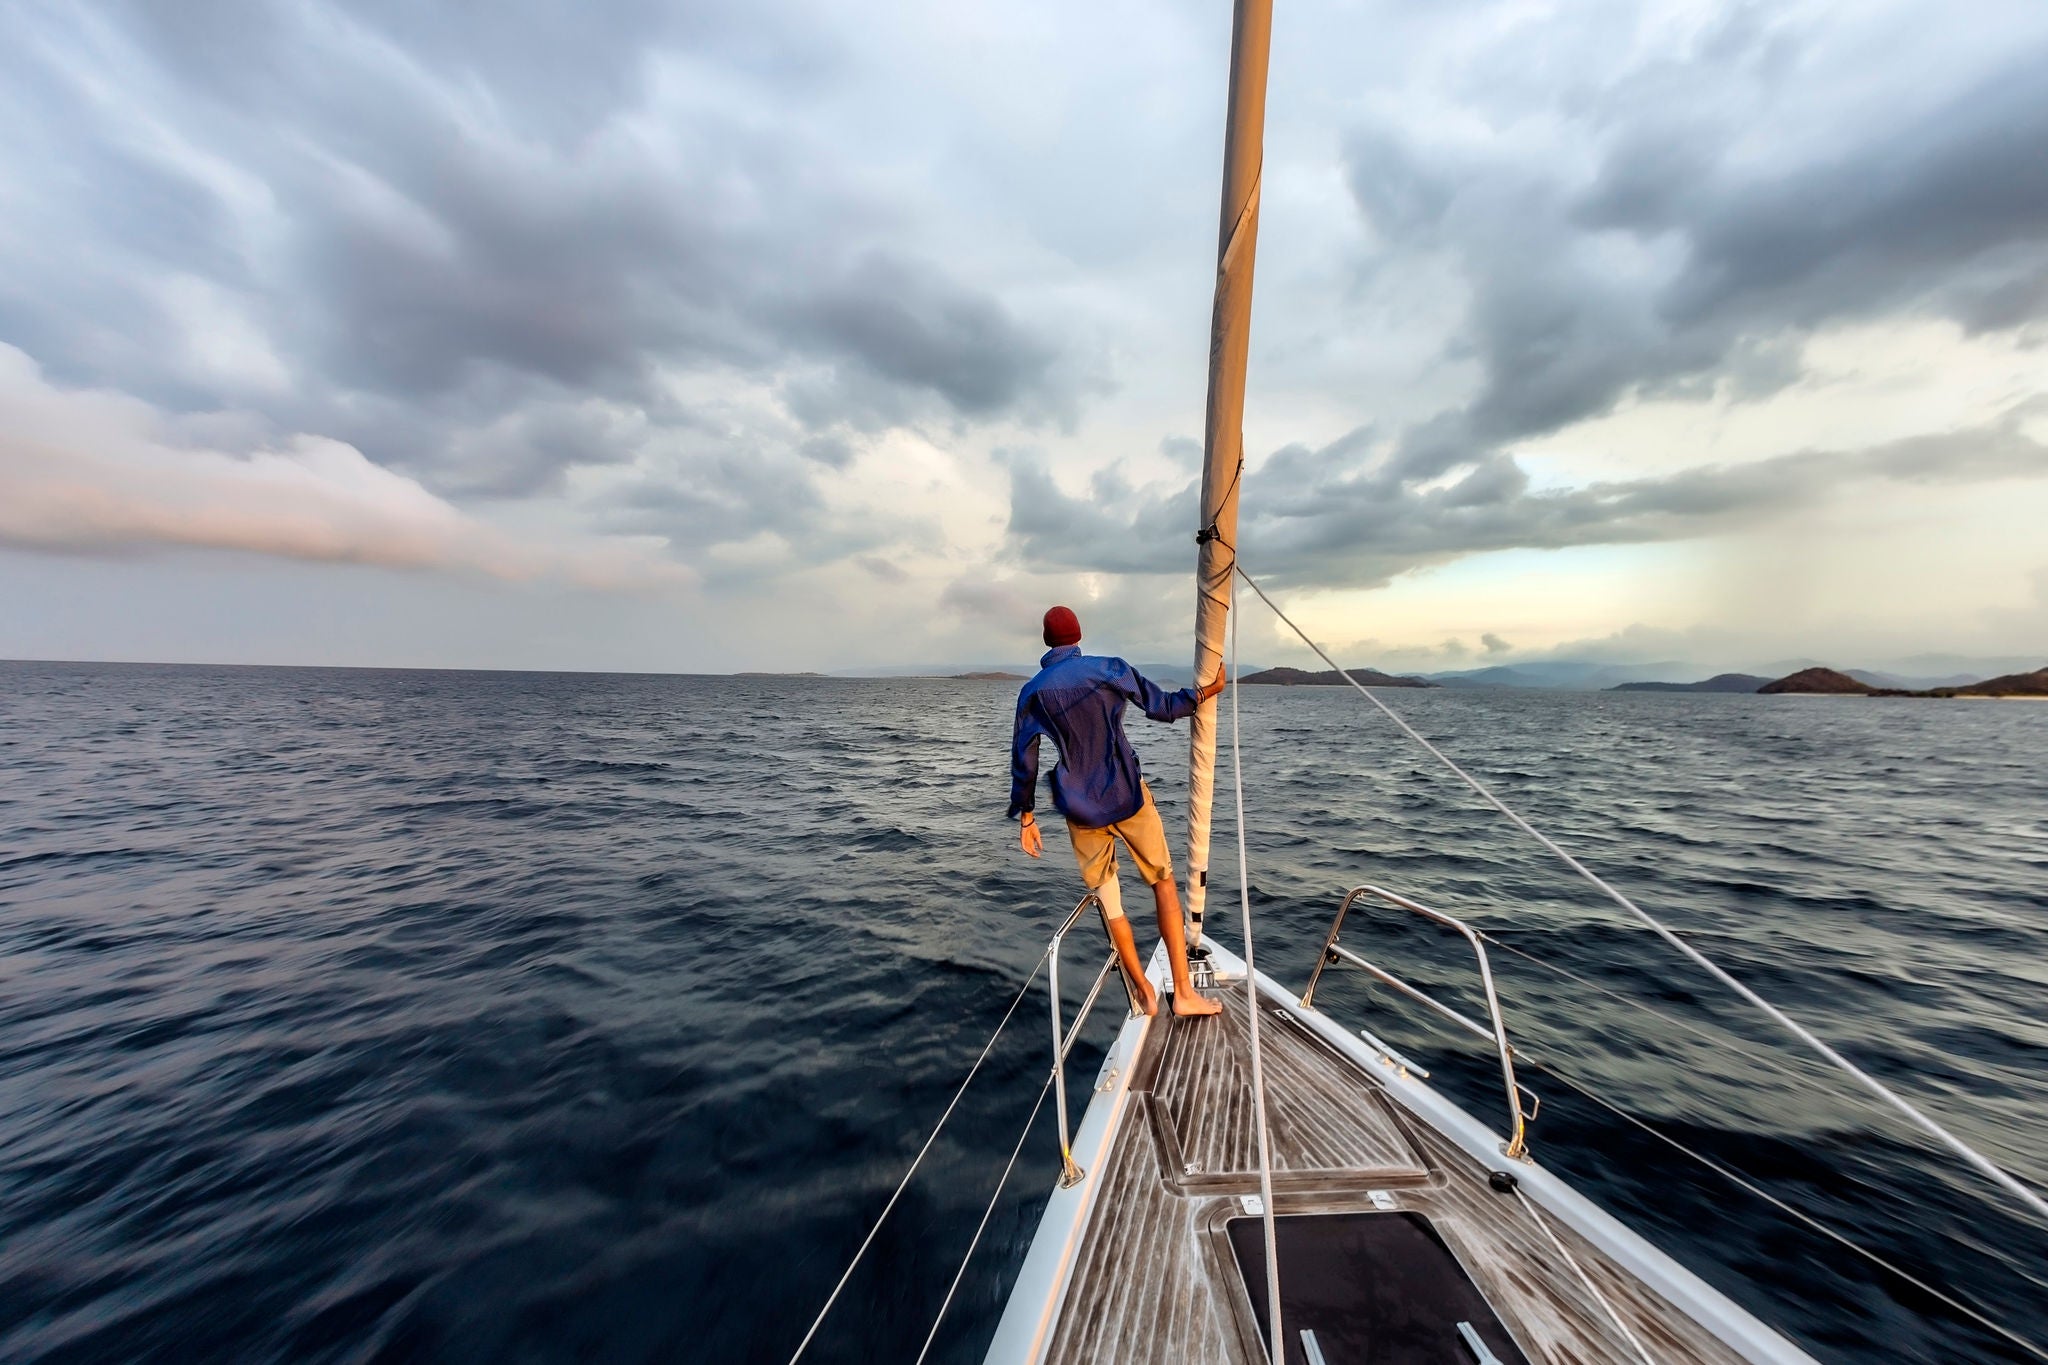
x: 1154, y: 1279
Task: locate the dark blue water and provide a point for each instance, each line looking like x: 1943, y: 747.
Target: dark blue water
x: 354, y: 1015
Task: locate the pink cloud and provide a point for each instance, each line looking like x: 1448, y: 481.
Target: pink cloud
x: 92, y: 472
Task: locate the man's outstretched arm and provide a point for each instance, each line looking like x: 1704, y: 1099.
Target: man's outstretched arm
x: 1159, y: 704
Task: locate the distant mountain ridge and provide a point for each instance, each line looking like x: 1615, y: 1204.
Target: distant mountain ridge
x: 1329, y: 677
x: 1560, y: 673
x: 1916, y: 671
x: 1720, y: 682
x: 1877, y: 679
x: 1169, y: 676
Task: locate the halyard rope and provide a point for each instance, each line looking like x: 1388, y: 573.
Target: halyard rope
x: 882, y: 1217
x: 1252, y: 1011
x: 1955, y: 1144
x: 982, y: 1226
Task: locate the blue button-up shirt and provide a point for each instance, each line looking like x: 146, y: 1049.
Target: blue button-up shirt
x: 1079, y: 700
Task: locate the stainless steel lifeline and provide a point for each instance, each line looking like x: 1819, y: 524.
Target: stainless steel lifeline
x: 1517, y: 1142
x: 1063, y: 1038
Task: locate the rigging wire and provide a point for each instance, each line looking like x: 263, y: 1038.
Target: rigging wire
x: 1584, y: 1279
x: 1740, y: 1181
x: 982, y: 1226
x: 1970, y: 1154
x: 915, y: 1161
x: 1751, y: 1055
x: 1735, y: 1178
x: 1549, y: 1068
x: 1252, y: 1011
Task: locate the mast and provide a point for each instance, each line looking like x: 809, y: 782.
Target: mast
x: 1230, y: 329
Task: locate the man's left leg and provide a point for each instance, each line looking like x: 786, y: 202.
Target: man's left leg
x: 1185, y: 1000
x: 1145, y: 837
x: 1126, y: 946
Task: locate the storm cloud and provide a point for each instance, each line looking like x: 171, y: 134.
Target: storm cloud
x: 1676, y: 226
x: 1312, y: 518
x: 1689, y: 252
x: 891, y: 320
x: 481, y: 249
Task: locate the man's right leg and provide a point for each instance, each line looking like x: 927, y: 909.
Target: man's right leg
x: 1185, y: 1000
x: 1145, y: 837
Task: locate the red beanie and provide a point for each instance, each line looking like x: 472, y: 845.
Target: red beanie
x: 1062, y: 627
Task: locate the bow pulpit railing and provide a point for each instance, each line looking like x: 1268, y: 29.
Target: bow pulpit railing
x: 1333, y: 951
x: 1064, y: 1037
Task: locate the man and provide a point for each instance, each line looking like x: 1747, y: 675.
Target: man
x: 1079, y: 700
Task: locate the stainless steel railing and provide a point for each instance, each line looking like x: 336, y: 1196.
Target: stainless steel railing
x: 1063, y: 1038
x: 1517, y: 1141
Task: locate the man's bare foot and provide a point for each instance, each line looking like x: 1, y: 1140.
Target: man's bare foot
x: 1188, y: 1005
x: 1151, y: 1004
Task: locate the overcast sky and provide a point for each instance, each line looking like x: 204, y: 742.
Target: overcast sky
x: 773, y: 334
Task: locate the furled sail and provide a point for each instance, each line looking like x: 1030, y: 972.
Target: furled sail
x: 1230, y: 329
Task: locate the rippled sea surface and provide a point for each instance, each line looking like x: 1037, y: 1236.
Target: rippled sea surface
x: 356, y: 1015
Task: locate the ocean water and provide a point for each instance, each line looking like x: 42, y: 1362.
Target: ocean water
x: 358, y: 1015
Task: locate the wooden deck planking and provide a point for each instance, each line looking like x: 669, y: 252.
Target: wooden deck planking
x: 1321, y: 1119
x: 1152, y: 1282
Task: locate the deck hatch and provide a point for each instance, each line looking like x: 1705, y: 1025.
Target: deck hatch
x: 1375, y: 1288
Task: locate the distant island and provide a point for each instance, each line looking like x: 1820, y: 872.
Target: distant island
x: 2034, y: 684
x: 1831, y: 682
x: 1329, y: 677
x: 1720, y: 682
x: 1817, y: 682
x: 1806, y: 679
x: 1932, y: 673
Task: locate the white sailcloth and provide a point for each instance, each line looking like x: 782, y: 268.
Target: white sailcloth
x: 1230, y: 329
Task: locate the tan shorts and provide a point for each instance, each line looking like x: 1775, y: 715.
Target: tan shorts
x: 1141, y: 833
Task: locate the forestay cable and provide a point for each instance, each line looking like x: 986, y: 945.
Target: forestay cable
x: 902, y: 1184
x: 1955, y: 1144
x: 1252, y: 1011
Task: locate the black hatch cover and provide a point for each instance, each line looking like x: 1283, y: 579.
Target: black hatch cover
x: 1375, y: 1288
